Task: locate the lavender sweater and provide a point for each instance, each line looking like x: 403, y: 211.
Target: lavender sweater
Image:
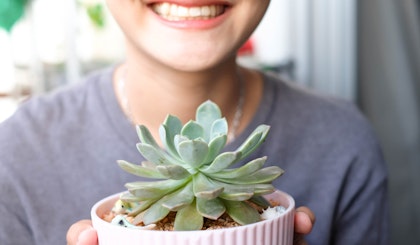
x: 58, y: 157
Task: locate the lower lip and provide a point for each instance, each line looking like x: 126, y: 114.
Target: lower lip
x: 195, y: 24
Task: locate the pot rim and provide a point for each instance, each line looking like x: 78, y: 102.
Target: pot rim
x: 286, y: 198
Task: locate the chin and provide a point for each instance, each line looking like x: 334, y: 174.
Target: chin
x: 193, y: 66
x: 195, y: 62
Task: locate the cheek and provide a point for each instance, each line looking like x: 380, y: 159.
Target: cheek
x: 247, y: 18
x: 130, y: 15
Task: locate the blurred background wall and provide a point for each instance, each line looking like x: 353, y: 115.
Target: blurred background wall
x: 389, y: 94
x: 365, y: 51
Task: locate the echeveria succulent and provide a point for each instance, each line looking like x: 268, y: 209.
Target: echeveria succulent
x: 193, y: 176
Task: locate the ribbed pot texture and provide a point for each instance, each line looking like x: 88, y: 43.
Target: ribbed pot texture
x: 278, y: 231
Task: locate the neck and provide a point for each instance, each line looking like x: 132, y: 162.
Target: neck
x: 148, y: 97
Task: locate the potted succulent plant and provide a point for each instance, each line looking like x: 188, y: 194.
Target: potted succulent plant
x: 195, y: 188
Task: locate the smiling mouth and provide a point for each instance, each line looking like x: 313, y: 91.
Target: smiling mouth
x: 174, y: 12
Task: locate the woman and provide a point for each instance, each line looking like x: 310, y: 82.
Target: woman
x: 179, y: 54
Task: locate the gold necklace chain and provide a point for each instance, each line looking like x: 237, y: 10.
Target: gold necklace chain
x: 236, y: 118
x: 239, y: 108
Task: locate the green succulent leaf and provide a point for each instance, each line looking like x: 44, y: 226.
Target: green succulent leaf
x: 245, y: 170
x: 180, y: 198
x: 173, y: 171
x: 193, y: 152
x: 140, y: 170
x: 145, y: 190
x: 145, y: 136
x: 128, y: 197
x: 262, y: 176
x: 147, y: 164
x: 236, y: 196
x: 172, y: 126
x: 254, y: 140
x: 206, y: 114
x: 188, y: 219
x: 236, y: 193
x: 211, y: 209
x: 215, y: 146
x: 260, y: 201
x: 155, y: 213
x: 152, y: 154
x: 142, y: 207
x: 221, y: 162
x: 263, y: 189
x: 205, y: 188
x: 192, y: 130
x: 242, y: 192
x: 242, y: 212
x: 219, y: 127
x: 178, y: 140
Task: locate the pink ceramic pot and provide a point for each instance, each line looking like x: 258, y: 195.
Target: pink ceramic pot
x: 278, y: 231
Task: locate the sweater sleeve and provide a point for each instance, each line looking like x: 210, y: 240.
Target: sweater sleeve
x: 362, y: 207
x: 14, y: 227
x: 362, y: 210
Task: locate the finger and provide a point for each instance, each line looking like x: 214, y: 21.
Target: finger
x: 299, y: 240
x: 304, y: 220
x: 82, y: 233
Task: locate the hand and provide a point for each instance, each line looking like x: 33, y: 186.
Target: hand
x: 304, y: 221
x: 82, y: 233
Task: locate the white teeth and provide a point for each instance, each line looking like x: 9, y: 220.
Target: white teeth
x: 165, y: 8
x: 205, y: 10
x: 175, y: 12
x: 180, y: 11
x: 195, y: 12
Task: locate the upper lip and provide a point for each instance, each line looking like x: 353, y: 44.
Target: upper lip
x: 190, y: 3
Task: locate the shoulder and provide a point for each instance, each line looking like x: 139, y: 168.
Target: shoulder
x: 313, y: 112
x: 58, y: 112
x: 324, y: 131
x: 308, y: 102
x: 331, y: 157
x: 60, y: 103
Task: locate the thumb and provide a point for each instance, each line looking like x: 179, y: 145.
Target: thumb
x: 82, y: 233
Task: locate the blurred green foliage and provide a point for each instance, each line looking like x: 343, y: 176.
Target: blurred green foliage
x: 96, y: 14
x: 10, y: 12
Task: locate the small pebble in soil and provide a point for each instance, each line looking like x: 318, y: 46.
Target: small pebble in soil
x: 271, y: 213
